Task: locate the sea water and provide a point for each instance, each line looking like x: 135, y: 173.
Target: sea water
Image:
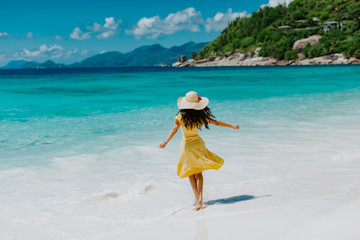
x: 79, y: 154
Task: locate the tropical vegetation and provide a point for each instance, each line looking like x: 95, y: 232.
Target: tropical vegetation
x: 305, y: 18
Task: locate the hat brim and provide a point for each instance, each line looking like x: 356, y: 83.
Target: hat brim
x: 183, y: 104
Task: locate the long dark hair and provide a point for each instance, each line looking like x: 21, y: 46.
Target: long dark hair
x: 196, y: 118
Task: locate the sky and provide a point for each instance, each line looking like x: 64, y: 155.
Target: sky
x: 70, y: 30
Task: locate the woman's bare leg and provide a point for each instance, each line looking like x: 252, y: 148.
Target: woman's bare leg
x: 199, y: 185
x: 194, y: 186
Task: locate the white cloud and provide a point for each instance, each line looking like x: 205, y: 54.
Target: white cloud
x: 274, y: 3
x: 44, y: 50
x: 188, y: 19
x: 3, y: 59
x: 96, y: 27
x: 107, y: 34
x: 111, y: 24
x: 58, y: 37
x: 221, y: 20
x: 30, y: 35
x: 68, y: 53
x: 79, y: 35
x: 109, y: 29
x: 4, y: 34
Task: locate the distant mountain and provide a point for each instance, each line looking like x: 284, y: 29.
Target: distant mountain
x: 150, y: 55
x: 107, y: 59
x: 51, y: 64
x: 14, y: 64
x: 29, y: 65
x: 46, y: 64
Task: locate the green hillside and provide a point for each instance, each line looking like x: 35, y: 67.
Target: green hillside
x: 305, y: 17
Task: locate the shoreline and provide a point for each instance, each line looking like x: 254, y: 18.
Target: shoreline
x: 245, y: 59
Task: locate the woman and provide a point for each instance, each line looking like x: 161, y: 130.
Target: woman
x: 194, y: 157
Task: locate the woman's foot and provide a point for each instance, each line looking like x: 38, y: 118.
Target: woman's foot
x: 196, y: 202
x: 199, y: 205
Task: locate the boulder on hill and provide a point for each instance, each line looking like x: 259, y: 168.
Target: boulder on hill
x: 300, y: 44
x: 182, y: 59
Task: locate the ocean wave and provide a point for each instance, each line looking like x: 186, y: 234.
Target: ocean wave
x: 111, y: 194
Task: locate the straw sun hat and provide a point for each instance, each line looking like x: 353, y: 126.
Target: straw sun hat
x: 192, y: 101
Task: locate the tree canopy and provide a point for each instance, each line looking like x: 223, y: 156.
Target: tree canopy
x: 305, y: 17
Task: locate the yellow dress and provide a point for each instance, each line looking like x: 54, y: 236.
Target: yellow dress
x: 194, y: 157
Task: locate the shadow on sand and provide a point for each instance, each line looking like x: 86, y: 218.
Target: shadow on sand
x: 233, y: 199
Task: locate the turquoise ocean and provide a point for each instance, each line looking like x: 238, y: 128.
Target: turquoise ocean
x: 79, y: 154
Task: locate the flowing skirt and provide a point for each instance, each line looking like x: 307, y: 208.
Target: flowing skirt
x: 195, y: 158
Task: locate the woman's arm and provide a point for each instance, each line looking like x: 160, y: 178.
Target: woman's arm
x: 171, y: 134
x: 222, y: 124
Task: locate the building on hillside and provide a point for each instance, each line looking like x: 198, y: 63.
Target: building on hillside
x: 332, y: 24
x: 301, y: 23
x: 285, y: 27
x: 315, y: 21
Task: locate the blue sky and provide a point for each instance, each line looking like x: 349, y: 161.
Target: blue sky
x: 67, y: 31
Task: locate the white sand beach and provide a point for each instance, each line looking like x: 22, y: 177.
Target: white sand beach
x: 306, y: 220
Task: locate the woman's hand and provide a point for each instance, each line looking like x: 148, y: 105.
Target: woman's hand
x: 235, y: 126
x: 222, y: 124
x: 162, y: 145
x: 171, y: 134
